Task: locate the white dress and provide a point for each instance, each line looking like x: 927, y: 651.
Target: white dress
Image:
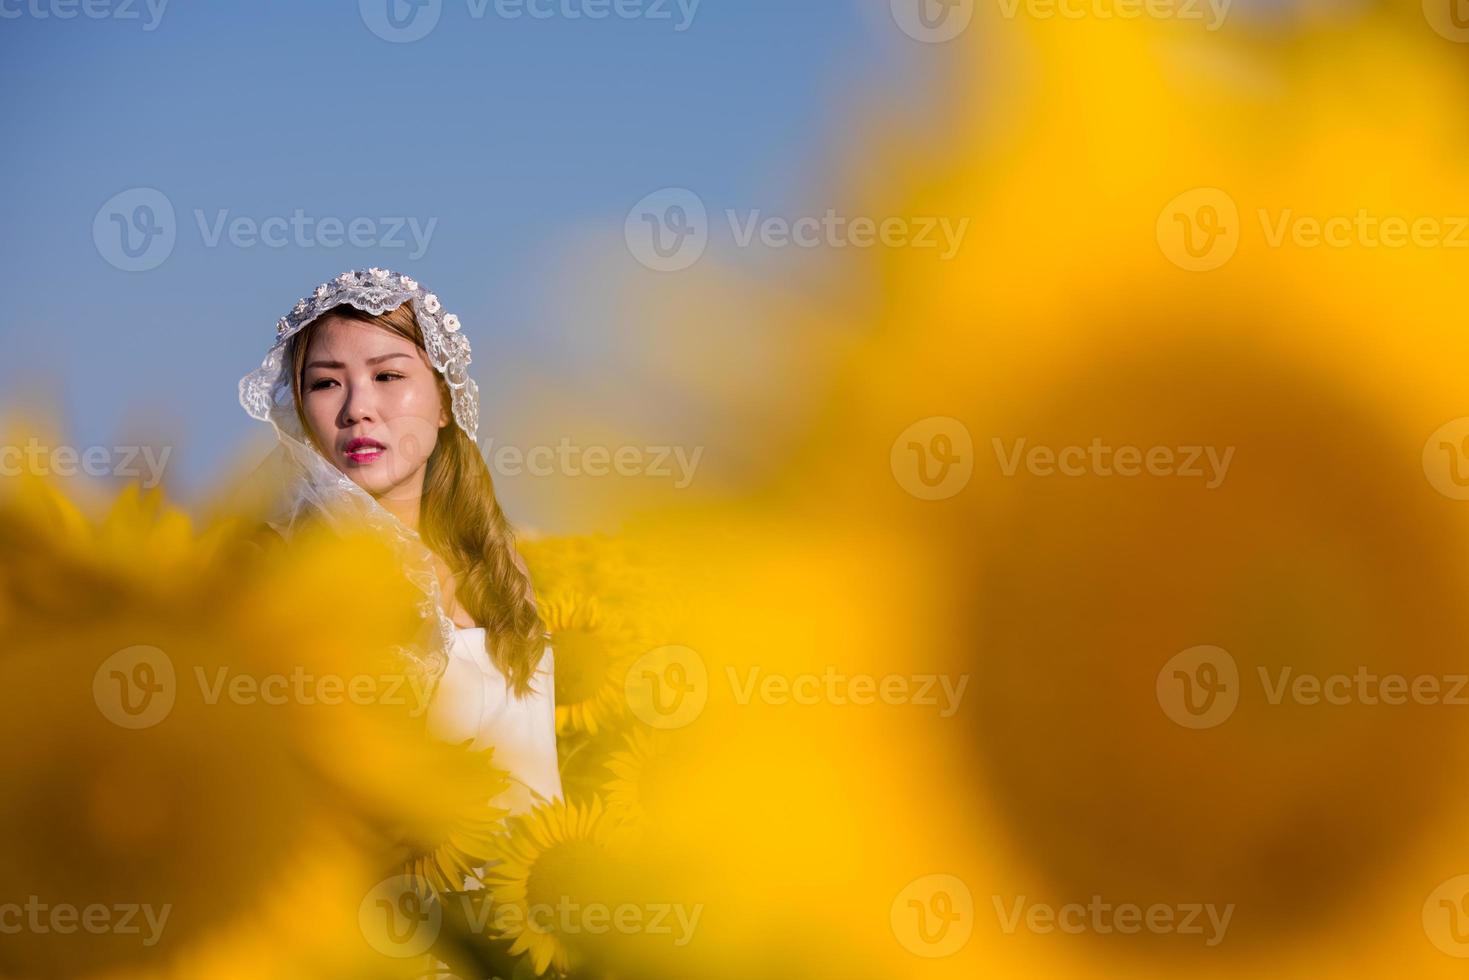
x: 475, y: 705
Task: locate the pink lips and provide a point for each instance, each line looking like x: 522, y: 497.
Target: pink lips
x: 361, y: 450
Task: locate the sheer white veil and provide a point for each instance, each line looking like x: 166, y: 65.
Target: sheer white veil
x: 314, y: 489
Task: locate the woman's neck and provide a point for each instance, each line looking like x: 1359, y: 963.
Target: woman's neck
x: 405, y: 501
x: 404, y: 509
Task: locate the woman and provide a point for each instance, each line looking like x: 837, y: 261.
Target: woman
x: 368, y: 390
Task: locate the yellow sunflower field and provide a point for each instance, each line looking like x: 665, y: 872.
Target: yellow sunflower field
x: 1087, y: 603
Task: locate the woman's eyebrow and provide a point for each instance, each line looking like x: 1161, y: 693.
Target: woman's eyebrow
x: 371, y: 360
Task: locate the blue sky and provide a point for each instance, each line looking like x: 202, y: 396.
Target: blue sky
x: 495, y: 137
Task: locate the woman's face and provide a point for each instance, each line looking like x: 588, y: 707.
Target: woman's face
x: 372, y: 401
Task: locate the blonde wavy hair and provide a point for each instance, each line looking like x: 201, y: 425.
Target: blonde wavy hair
x: 460, y: 519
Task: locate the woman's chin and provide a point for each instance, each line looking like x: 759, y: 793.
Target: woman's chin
x: 375, y: 480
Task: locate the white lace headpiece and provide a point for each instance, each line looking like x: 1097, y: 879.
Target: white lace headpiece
x: 314, y: 486
x: 374, y: 291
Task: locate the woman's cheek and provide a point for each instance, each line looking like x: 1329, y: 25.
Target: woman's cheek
x: 320, y: 425
x: 414, y: 439
x: 419, y: 415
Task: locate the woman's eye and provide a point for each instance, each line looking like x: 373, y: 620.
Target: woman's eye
x: 321, y: 383
x: 388, y: 375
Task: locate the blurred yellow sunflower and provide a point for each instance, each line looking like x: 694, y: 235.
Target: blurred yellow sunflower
x: 563, y: 562
x: 185, y: 777
x: 641, y: 779
x: 552, y: 864
x: 65, y: 563
x: 1074, y: 319
x: 593, y: 649
x: 630, y: 574
x: 455, y: 817
x: 583, y: 762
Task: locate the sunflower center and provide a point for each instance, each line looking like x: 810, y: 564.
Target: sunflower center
x: 658, y: 785
x: 582, y: 661
x: 559, y: 876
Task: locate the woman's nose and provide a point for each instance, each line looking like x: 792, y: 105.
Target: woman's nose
x: 359, y: 406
